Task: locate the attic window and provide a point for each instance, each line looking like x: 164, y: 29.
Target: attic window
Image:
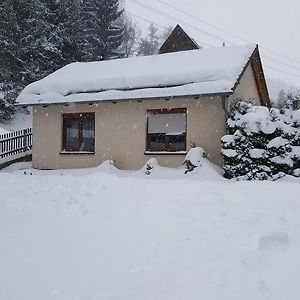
x: 79, y: 132
x: 166, y: 130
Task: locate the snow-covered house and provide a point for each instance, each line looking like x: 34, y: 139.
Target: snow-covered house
x: 130, y: 110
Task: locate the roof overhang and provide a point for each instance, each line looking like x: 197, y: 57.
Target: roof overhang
x: 127, y: 99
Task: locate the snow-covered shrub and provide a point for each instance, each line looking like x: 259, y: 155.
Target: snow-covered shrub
x: 194, y: 159
x: 150, y: 165
x: 261, y: 143
x: 293, y: 100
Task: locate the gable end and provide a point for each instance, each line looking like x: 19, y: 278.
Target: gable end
x: 178, y: 41
x: 256, y: 65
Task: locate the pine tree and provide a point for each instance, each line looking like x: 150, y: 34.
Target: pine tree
x: 22, y: 33
x: 102, y: 35
x: 62, y: 34
x: 19, y: 31
x: 7, y: 109
x: 149, y: 45
x: 131, y: 36
x: 293, y: 100
x: 38, y: 37
x: 261, y: 143
x: 282, y: 99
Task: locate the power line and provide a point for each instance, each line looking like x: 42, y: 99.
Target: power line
x: 280, y: 62
x: 187, y: 24
x: 178, y: 20
x: 146, y: 20
x: 281, y: 71
x: 224, y: 31
x: 205, y: 32
x: 161, y: 26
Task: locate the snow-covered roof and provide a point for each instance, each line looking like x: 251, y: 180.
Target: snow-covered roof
x: 188, y: 73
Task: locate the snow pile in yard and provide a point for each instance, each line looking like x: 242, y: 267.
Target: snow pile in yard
x: 102, y: 236
x: 196, y: 72
x: 196, y: 163
x: 21, y: 120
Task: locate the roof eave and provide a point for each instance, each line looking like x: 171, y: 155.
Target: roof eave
x: 127, y: 99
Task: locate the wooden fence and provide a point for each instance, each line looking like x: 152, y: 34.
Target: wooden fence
x: 15, y: 144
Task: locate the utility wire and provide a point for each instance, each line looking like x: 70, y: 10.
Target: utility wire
x: 178, y: 20
x: 165, y: 27
x: 214, y: 36
x: 282, y: 71
x: 146, y: 20
x: 280, y: 62
x: 225, y: 31
x: 161, y: 26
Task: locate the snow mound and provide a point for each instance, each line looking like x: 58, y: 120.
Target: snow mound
x: 196, y: 163
x: 195, y: 156
x: 150, y: 165
x: 274, y: 241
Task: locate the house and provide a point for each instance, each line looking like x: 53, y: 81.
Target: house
x: 130, y: 110
x: 177, y: 41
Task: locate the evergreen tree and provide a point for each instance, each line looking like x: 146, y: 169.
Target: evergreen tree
x: 149, y: 45
x: 63, y: 33
x: 293, y: 100
x: 282, y: 99
x: 20, y: 34
x: 7, y: 93
x: 261, y: 143
x: 38, y: 37
x: 131, y: 36
x: 102, y: 35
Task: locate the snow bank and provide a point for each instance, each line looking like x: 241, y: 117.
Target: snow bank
x: 101, y: 236
x: 196, y: 72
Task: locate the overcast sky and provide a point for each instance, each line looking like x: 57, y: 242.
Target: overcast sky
x: 273, y: 24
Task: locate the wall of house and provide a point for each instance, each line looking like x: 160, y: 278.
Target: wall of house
x: 121, y: 133
x: 121, y: 130
x: 247, y: 89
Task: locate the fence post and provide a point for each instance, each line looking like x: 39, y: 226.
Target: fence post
x: 24, y: 140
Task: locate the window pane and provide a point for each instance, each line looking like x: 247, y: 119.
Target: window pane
x: 167, y: 123
x: 72, y: 134
x: 157, y: 142
x: 88, y: 135
x: 177, y: 142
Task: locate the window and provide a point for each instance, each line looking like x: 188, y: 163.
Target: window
x: 79, y: 132
x: 166, y: 130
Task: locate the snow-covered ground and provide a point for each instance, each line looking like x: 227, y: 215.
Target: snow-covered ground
x: 21, y: 120
x: 106, y: 234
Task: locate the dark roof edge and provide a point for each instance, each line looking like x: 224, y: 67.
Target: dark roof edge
x: 244, y: 69
x: 126, y: 99
x: 250, y: 62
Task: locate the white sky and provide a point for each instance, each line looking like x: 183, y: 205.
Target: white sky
x: 273, y: 24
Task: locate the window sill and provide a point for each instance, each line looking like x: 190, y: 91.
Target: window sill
x: 165, y: 153
x: 76, y: 153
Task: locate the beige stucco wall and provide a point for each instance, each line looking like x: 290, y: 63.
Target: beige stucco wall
x: 121, y: 130
x: 121, y: 133
x: 246, y: 89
